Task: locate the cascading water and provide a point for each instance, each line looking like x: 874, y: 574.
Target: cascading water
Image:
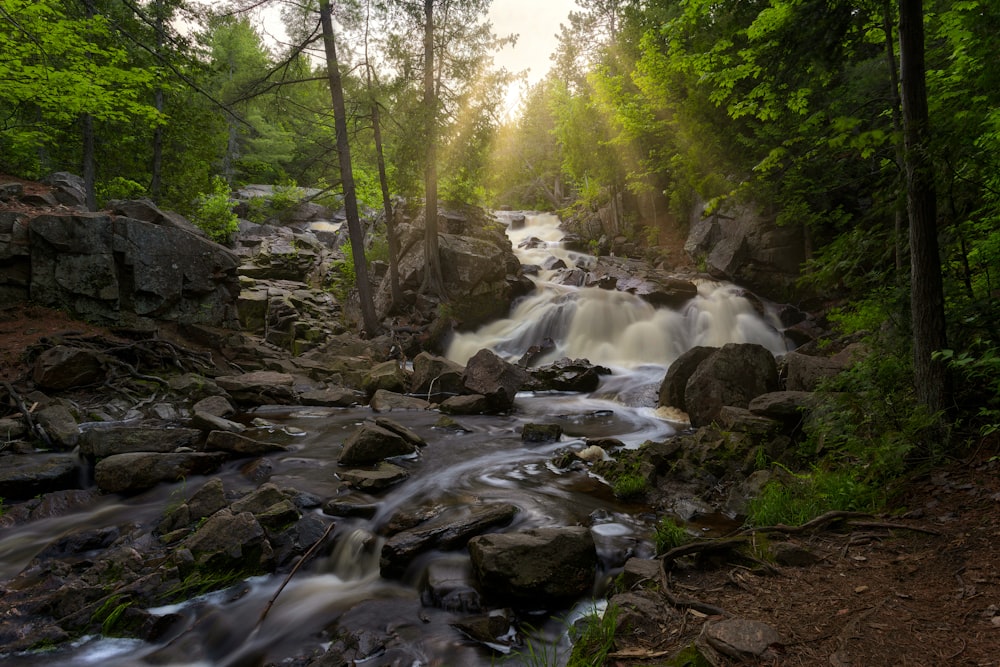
x: 341, y: 593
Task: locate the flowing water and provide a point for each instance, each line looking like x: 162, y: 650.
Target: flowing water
x: 489, y: 463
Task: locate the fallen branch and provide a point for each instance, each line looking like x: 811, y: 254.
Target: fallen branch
x: 22, y: 407
x: 686, y: 603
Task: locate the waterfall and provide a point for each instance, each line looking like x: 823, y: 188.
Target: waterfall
x: 608, y: 327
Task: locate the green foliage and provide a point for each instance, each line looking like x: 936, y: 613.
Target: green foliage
x: 669, y: 534
x: 119, y: 187
x: 282, y: 202
x: 110, y: 613
x: 342, y: 278
x: 214, y: 213
x: 795, y: 499
x: 977, y: 371
x: 630, y: 486
x: 594, y: 638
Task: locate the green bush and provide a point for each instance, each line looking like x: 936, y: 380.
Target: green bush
x: 119, y: 188
x: 669, y: 534
x: 630, y: 486
x: 799, y: 498
x: 214, y: 213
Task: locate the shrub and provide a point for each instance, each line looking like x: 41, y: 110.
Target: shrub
x: 214, y: 213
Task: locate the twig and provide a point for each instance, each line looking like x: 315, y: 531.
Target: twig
x: 24, y: 410
x: 305, y: 557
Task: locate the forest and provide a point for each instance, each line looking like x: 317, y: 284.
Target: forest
x: 661, y: 111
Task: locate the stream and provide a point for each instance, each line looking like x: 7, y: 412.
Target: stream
x: 487, y: 463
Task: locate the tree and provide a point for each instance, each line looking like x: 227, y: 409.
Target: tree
x: 926, y: 289
x: 355, y: 231
x: 433, y: 280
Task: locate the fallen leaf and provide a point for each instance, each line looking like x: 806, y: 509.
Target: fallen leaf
x: 860, y: 589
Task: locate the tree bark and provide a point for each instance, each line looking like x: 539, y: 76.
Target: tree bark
x: 89, y: 148
x: 926, y: 288
x: 356, y: 233
x: 433, y: 280
x: 899, y: 208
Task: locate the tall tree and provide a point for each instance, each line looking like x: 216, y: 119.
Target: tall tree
x: 926, y: 288
x: 433, y: 280
x: 355, y: 231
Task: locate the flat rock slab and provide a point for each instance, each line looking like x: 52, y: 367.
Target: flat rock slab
x: 449, y: 531
x: 741, y: 638
x: 235, y: 443
x: 138, y: 471
x: 260, y: 387
x: 23, y: 477
x: 333, y: 397
x: 381, y: 477
x: 97, y: 443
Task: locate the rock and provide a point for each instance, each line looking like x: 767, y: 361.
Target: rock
x: 792, y: 554
x: 591, y: 454
x: 226, y: 441
x: 400, y: 430
x: 259, y: 388
x: 388, y: 375
x: 387, y: 401
x: 740, y: 638
x: 12, y: 428
x: 383, y: 476
x: 539, y: 433
x: 207, y: 422
x: 741, y: 420
x: 671, y: 391
x: 638, y: 572
x: 138, y: 471
x: 121, y: 270
x: 371, y: 444
x: 69, y: 189
x: 469, y: 404
x: 789, y: 406
x: 449, y: 585
x: 102, y: 441
x: 492, y: 629
x: 63, y: 367
x: 59, y: 424
x: 196, y: 387
x: 231, y: 541
x: 10, y: 190
x: 26, y: 476
x: 577, y: 375
x: 448, y: 531
x: 749, y: 248
x: 494, y: 378
x: 732, y: 375
x: 145, y: 210
x: 547, y: 566
x: 435, y: 377
x: 805, y: 372
x: 642, y: 620
x: 218, y: 406
x: 332, y: 397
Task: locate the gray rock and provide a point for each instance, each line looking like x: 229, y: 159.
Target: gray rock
x: 435, y: 377
x: 671, y: 391
x: 494, y: 378
x: 101, y: 441
x: 492, y: 629
x: 259, y: 388
x: 449, y: 585
x: 468, y: 404
x: 732, y: 375
x: 59, y: 425
x: 538, y: 566
x: 388, y: 375
x: 218, y: 406
x: 451, y: 530
x: 138, y: 471
x: 204, y: 421
x: 63, y: 367
x: 568, y: 375
x: 792, y: 554
x: 400, y: 430
x: 740, y: 638
x: 381, y: 477
x: 540, y: 433
x: 333, y: 397
x: 731, y: 418
x: 12, y: 428
x: 234, y: 443
x: 387, y: 401
x: 371, y: 444
x: 231, y: 541
x: 26, y: 476
x: 805, y: 372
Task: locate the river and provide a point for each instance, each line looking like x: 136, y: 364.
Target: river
x: 342, y: 588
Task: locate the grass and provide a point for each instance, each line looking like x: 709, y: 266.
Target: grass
x: 799, y: 498
x: 669, y: 534
x: 630, y: 486
x: 594, y: 639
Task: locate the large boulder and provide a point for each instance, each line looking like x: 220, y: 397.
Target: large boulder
x: 671, y: 391
x: 435, y: 377
x: 120, y: 270
x: 138, y: 471
x: 748, y: 247
x: 64, y: 367
x: 540, y: 566
x: 260, y: 388
x: 372, y: 443
x: 494, y: 378
x: 102, y: 441
x: 732, y: 375
x: 805, y: 372
x: 568, y: 375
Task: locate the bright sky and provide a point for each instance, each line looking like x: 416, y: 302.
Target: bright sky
x: 537, y: 24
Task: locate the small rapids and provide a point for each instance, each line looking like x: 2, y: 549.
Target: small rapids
x: 340, y: 592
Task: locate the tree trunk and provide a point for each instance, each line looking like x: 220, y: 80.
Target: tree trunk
x: 371, y: 324
x: 926, y: 290
x: 156, y: 167
x: 899, y: 208
x: 433, y: 280
x: 87, y: 125
x: 390, y: 222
